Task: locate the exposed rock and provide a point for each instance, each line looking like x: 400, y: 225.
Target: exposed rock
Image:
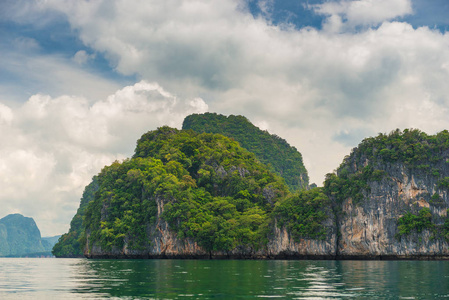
x: 282, y: 245
x: 369, y: 229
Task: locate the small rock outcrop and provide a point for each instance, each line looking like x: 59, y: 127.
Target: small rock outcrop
x: 283, y: 245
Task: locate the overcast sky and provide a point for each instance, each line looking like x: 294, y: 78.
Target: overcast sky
x: 81, y: 81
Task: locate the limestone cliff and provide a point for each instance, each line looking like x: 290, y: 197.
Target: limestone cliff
x: 390, y: 187
x: 283, y: 245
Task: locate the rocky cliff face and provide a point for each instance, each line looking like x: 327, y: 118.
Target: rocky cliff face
x: 370, y: 228
x: 283, y: 245
x: 401, y: 177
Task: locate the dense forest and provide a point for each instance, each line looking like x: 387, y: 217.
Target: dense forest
x: 214, y: 191
x: 270, y: 149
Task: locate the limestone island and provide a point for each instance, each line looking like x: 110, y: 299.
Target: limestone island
x: 223, y: 188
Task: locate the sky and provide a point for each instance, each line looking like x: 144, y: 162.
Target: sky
x: 81, y: 81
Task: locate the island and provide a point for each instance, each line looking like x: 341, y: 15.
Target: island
x: 218, y: 189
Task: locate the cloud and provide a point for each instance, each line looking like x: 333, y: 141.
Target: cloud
x: 81, y: 57
x: 354, y: 13
x: 6, y: 114
x: 25, y: 44
x: 53, y: 146
x: 306, y: 85
x: 24, y: 72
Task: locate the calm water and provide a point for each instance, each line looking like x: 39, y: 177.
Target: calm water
x: 34, y: 278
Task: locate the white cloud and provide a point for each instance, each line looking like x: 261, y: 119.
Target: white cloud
x: 266, y: 7
x: 82, y: 57
x: 362, y: 12
x: 307, y: 85
x: 53, y: 146
x: 26, y: 45
x: 26, y: 73
x: 6, y: 114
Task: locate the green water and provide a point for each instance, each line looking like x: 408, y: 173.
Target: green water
x: 22, y: 278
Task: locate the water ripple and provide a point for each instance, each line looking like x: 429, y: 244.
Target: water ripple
x: 226, y: 279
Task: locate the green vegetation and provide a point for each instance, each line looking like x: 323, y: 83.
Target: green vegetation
x: 414, y: 148
x: 122, y: 206
x: 351, y: 185
x: 446, y: 227
x: 211, y: 190
x: 303, y: 213
x: 443, y: 183
x: 366, y: 163
x: 219, y: 224
x: 411, y: 222
x: 69, y: 244
x: 269, y: 149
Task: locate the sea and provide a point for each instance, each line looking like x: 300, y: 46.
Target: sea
x: 54, y: 278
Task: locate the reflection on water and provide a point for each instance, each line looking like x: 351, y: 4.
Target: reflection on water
x: 22, y: 278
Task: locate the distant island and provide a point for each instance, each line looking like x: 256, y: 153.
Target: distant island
x: 222, y: 188
x: 20, y: 237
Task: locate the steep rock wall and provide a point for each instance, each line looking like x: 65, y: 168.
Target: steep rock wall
x: 369, y: 229
x: 283, y: 245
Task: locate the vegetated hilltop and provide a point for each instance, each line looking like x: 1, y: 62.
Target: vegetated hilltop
x: 19, y: 236
x: 69, y: 244
x: 391, y: 198
x: 270, y: 149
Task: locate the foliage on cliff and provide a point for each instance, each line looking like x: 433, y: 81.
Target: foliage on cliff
x: 212, y: 190
x: 411, y: 222
x: 416, y: 150
x: 68, y: 244
x: 269, y: 149
x: 303, y: 214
